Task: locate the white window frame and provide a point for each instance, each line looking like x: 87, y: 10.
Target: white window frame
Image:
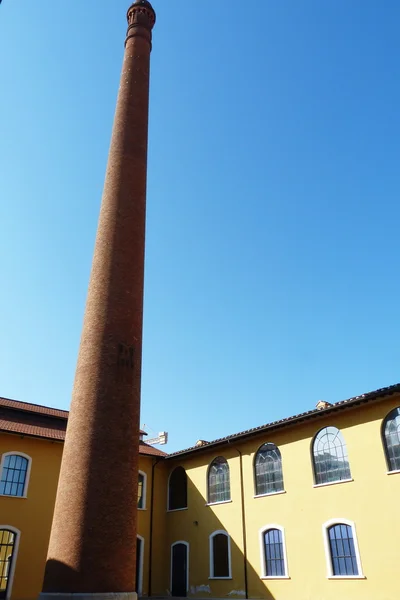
x: 140, y: 582
x: 11, y: 570
x: 187, y: 565
x: 211, y: 538
x: 263, y: 562
x: 28, y: 472
x: 328, y: 557
x: 187, y: 500
x: 144, y: 490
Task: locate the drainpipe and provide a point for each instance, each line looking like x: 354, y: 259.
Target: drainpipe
x: 243, y: 522
x: 155, y: 463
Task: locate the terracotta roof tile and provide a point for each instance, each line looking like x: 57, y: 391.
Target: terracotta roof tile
x: 38, y: 409
x: 34, y: 408
x: 150, y: 450
x: 41, y: 421
x: 32, y: 430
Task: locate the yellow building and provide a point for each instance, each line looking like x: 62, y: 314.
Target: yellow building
x: 301, y: 509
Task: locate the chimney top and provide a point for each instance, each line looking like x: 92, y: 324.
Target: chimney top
x: 321, y: 404
x: 201, y: 443
x: 141, y: 18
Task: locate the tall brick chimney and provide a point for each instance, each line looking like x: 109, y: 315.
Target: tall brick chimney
x: 93, y: 538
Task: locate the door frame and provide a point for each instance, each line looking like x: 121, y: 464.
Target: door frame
x: 187, y: 564
x: 10, y: 576
x: 141, y: 562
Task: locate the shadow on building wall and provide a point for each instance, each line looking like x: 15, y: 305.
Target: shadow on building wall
x: 194, y: 526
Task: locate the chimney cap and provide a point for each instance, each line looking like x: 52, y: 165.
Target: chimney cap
x: 137, y: 4
x: 142, y: 3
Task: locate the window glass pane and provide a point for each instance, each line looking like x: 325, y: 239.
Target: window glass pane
x: 140, y: 490
x: 220, y: 555
x: 13, y: 475
x: 219, y: 489
x: 343, y: 555
x: 330, y: 456
x: 392, y: 439
x: 274, y: 557
x: 7, y: 541
x: 268, y: 470
x: 177, y: 490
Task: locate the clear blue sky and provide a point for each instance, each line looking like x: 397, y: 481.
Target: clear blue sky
x: 272, y: 272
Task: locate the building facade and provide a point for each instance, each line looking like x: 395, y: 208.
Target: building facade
x: 302, y: 508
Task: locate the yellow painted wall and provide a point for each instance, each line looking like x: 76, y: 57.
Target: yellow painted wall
x: 160, y: 559
x: 143, y: 525
x: 370, y: 500
x: 32, y: 515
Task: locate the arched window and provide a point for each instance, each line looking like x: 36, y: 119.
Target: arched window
x: 8, y: 551
x: 219, y: 487
x: 330, y: 457
x: 220, y: 555
x: 273, y: 552
x: 177, y: 489
x: 14, y: 474
x: 268, y: 470
x: 142, y: 479
x: 342, y: 554
x: 391, y: 439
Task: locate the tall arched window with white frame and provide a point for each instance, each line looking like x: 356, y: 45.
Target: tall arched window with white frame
x: 273, y: 552
x: 177, y: 489
x: 268, y: 476
x: 219, y: 485
x: 330, y: 459
x: 220, y: 555
x: 142, y: 485
x: 391, y: 439
x: 341, y: 549
x: 9, y: 538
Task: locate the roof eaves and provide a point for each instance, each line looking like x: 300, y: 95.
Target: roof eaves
x: 59, y: 436
x: 315, y: 413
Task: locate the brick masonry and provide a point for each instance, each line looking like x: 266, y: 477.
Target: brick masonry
x: 93, y: 540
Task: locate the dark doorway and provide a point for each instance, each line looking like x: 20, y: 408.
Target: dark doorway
x: 7, y: 545
x: 179, y: 569
x: 139, y: 565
